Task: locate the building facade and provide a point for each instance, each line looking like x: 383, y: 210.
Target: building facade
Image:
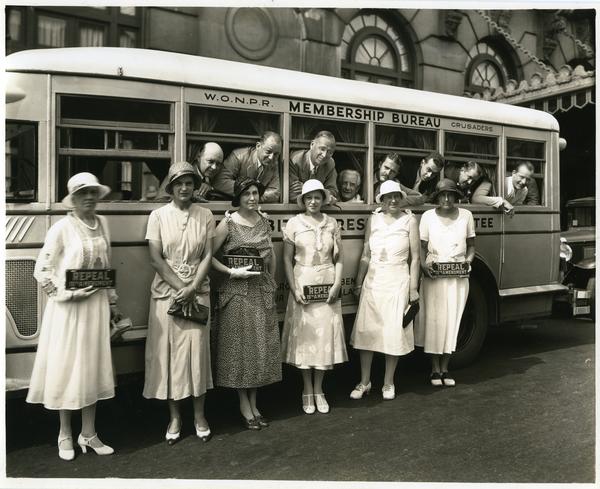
x: 537, y: 58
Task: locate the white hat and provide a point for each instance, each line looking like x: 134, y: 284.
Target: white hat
x: 83, y: 180
x: 311, y: 186
x: 389, y: 187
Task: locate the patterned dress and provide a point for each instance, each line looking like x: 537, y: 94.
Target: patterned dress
x: 73, y: 364
x: 248, y: 348
x: 178, y: 350
x: 385, y: 291
x: 313, y: 334
x: 442, y: 300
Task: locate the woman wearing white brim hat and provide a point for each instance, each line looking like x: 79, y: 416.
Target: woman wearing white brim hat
x: 387, y: 280
x: 73, y: 365
x: 313, y: 333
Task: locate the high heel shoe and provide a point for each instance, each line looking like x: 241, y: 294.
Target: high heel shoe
x: 172, y: 438
x: 308, y: 404
x: 84, y: 442
x: 251, y: 424
x: 203, y: 434
x: 262, y: 421
x: 65, y: 453
x: 360, y: 390
x: 389, y: 392
x: 322, y: 405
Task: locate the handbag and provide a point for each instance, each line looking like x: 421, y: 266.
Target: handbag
x: 198, y: 316
x: 410, y: 313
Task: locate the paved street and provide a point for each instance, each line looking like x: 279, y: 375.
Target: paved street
x: 524, y: 412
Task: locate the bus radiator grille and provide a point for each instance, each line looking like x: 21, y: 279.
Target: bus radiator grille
x: 21, y: 295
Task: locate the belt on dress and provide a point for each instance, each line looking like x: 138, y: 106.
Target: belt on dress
x: 183, y: 270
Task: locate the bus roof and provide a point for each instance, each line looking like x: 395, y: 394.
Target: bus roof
x: 187, y: 69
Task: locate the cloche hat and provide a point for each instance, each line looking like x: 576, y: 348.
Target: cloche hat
x: 84, y: 180
x: 241, y: 185
x: 446, y: 185
x: 389, y: 187
x: 180, y: 169
x: 310, y: 186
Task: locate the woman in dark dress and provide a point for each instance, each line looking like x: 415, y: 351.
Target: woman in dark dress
x: 248, y: 347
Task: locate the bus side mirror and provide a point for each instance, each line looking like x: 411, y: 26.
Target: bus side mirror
x: 562, y: 144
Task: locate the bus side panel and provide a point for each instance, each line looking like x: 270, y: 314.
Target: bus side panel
x: 34, y: 105
x: 529, y: 232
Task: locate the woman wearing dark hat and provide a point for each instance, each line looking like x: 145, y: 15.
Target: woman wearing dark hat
x: 248, y: 348
x: 447, y: 235
x: 386, y: 284
x: 313, y: 332
x: 180, y: 239
x: 73, y: 365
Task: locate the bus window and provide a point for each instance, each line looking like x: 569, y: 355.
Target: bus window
x: 460, y: 148
x: 229, y: 128
x: 126, y: 143
x: 350, y: 145
x: 410, y: 144
x: 21, y: 161
x: 529, y: 155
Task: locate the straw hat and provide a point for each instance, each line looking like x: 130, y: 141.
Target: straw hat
x: 180, y: 169
x: 389, y: 187
x: 84, y: 180
x: 445, y: 185
x: 241, y: 185
x: 311, y: 186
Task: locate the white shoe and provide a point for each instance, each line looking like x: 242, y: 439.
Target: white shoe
x: 203, y: 434
x: 65, y: 453
x: 308, y: 404
x: 360, y: 390
x: 322, y: 405
x: 389, y: 392
x: 84, y: 442
x: 172, y: 438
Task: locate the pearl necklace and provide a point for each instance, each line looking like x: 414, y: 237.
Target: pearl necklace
x: 91, y: 228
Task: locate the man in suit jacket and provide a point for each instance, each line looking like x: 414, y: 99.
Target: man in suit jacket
x: 388, y: 169
x: 315, y: 163
x: 208, y: 163
x: 260, y: 162
x: 520, y: 187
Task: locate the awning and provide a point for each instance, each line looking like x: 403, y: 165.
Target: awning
x: 557, y: 92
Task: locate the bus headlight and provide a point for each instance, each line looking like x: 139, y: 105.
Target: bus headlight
x: 566, y: 253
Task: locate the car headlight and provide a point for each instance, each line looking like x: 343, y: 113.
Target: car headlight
x: 566, y: 253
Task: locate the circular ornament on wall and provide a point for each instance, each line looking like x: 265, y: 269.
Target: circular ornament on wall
x: 252, y: 32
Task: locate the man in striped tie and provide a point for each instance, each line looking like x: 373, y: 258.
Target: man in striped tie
x: 315, y: 163
x: 260, y: 162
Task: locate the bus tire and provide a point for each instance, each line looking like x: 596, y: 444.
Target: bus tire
x: 473, y: 327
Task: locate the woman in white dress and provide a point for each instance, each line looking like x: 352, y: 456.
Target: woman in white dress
x: 180, y: 239
x: 447, y: 235
x: 386, y: 283
x: 73, y: 365
x: 313, y: 332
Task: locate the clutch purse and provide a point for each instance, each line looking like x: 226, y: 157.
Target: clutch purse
x: 200, y: 316
x: 410, y: 313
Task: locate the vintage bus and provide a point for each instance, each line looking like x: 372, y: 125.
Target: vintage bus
x: 127, y: 114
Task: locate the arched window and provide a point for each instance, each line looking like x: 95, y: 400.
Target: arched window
x: 373, y: 50
x: 486, y: 68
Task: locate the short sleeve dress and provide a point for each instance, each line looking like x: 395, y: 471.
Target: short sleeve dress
x: 443, y: 300
x: 73, y: 364
x: 178, y: 350
x: 385, y: 291
x: 313, y: 334
x: 248, y: 347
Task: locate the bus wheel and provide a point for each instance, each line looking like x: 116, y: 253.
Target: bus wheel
x: 473, y: 327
